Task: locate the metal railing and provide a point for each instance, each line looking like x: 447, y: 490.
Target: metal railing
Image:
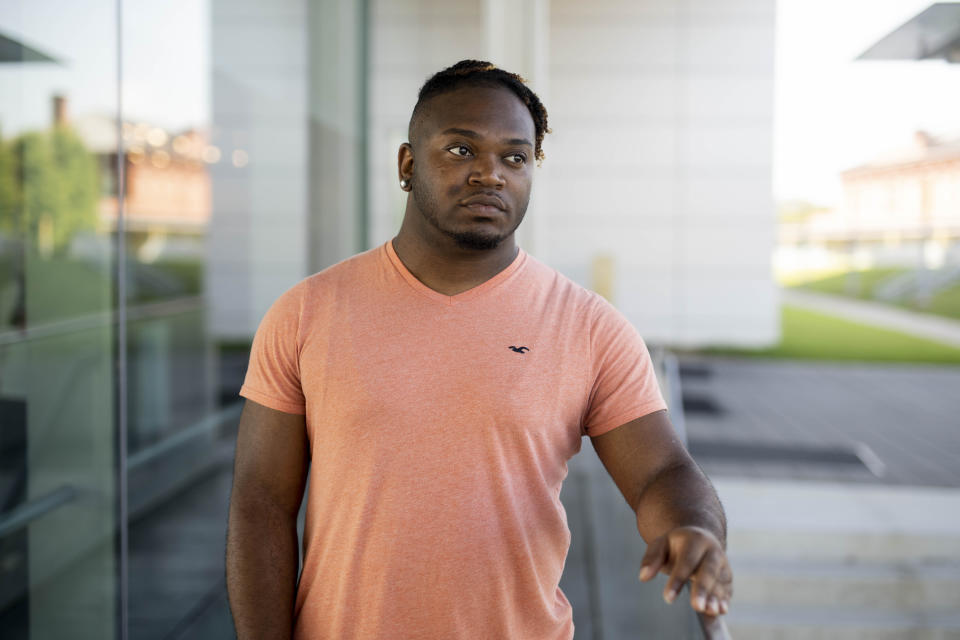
x: 668, y: 373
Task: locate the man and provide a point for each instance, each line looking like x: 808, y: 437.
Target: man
x: 436, y: 387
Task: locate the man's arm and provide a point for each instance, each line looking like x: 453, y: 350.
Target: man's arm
x: 678, y: 512
x: 270, y: 471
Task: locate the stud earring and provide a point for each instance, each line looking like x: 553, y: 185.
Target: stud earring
x: 404, y: 184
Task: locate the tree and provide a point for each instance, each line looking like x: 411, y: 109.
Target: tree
x: 49, y: 188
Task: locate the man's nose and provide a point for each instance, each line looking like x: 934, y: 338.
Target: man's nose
x: 487, y: 172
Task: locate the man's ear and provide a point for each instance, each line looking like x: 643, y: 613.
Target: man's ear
x: 405, y: 165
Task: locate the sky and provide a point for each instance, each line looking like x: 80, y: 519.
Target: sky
x: 166, y: 61
x: 830, y: 112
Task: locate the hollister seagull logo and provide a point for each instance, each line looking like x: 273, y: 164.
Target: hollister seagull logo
x: 519, y: 349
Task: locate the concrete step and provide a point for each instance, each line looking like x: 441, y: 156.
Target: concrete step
x: 905, y: 587
x: 832, y: 521
x: 844, y: 547
x: 827, y: 560
x: 750, y: 622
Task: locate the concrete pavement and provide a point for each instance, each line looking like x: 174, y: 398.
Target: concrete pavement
x: 908, y: 416
x: 842, y: 561
x: 822, y: 546
x: 922, y: 325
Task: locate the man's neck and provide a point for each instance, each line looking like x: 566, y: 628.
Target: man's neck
x: 450, y: 269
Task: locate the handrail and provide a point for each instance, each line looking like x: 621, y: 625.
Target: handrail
x: 25, y: 513
x: 21, y: 515
x: 206, y: 424
x: 174, y: 306
x: 712, y: 627
x: 671, y: 368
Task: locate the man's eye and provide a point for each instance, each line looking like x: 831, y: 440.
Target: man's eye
x: 459, y: 150
x: 517, y: 158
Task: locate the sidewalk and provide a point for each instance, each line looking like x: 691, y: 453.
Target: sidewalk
x: 922, y: 325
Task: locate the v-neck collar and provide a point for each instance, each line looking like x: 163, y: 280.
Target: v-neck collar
x: 443, y: 298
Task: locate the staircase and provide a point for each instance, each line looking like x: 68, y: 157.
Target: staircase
x: 845, y: 562
x: 919, y: 285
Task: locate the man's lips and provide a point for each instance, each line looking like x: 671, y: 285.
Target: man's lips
x: 484, y: 203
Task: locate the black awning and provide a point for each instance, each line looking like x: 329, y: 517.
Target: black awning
x: 932, y: 34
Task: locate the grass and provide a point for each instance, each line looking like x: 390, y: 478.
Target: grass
x: 856, y: 284
x: 863, y: 285
x: 946, y: 303
x: 808, y: 335
x: 61, y: 287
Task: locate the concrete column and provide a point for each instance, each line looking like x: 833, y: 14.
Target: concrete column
x: 289, y: 89
x: 337, y: 120
x: 516, y: 38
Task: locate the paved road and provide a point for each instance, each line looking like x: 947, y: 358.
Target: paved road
x: 789, y: 419
x: 923, y: 325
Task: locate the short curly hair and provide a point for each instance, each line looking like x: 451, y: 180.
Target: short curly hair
x: 479, y: 73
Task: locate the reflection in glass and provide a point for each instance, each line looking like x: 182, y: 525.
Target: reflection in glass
x: 58, y: 561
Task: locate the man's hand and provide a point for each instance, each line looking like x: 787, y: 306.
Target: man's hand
x: 678, y: 511
x: 691, y: 554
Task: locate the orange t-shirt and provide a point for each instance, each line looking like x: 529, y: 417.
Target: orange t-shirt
x: 440, y: 429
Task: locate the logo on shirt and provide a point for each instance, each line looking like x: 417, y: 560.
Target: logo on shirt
x: 519, y: 349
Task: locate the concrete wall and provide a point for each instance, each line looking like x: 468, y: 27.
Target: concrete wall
x: 287, y: 90
x: 661, y: 160
x: 660, y: 157
x: 409, y: 41
x: 257, y: 244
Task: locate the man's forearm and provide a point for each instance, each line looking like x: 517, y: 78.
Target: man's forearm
x: 262, y: 562
x: 680, y: 495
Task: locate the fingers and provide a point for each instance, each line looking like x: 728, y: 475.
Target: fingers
x: 686, y: 558
x: 654, y: 559
x: 711, y: 584
x: 694, y: 556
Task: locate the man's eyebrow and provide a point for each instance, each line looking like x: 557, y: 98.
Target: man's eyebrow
x: 468, y: 133
x: 519, y: 141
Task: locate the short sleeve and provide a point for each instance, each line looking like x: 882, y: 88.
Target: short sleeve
x: 273, y: 375
x: 625, y: 385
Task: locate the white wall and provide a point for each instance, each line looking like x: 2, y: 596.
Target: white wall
x: 257, y: 243
x: 661, y: 159
x: 660, y: 156
x: 410, y: 40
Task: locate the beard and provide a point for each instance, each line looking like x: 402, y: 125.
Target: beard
x: 464, y: 239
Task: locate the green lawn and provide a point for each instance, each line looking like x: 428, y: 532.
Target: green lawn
x: 62, y: 287
x: 809, y: 335
x: 59, y: 288
x: 946, y: 303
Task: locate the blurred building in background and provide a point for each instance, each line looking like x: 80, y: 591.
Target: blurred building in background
x: 901, y: 209
x: 909, y: 197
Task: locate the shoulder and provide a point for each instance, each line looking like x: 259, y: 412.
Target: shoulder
x: 359, y: 267
x: 326, y: 283
x: 573, y: 297
x: 315, y: 291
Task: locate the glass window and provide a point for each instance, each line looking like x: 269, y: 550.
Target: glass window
x: 58, y: 480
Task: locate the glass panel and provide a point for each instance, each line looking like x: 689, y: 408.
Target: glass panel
x: 58, y: 563
x: 228, y: 109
